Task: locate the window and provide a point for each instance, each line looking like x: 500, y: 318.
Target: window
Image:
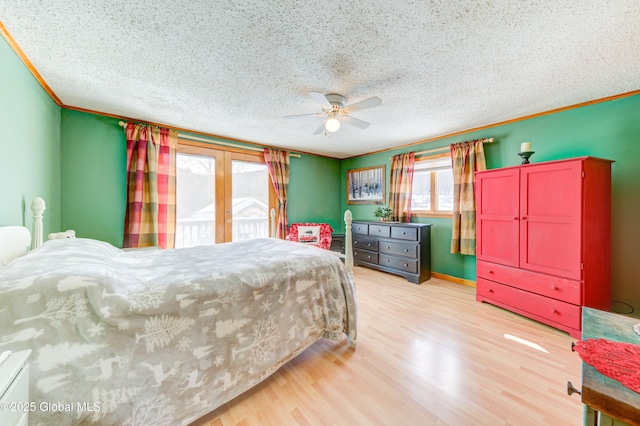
x: 432, y: 193
x: 221, y: 195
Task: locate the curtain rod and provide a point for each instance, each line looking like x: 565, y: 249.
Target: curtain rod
x: 198, y: 139
x: 447, y: 148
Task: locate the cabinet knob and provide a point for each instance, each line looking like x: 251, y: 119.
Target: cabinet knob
x: 515, y: 218
x: 554, y: 312
x: 368, y: 245
x: 490, y: 271
x: 524, y: 218
x: 406, y: 265
x: 490, y: 290
x: 405, y: 250
x: 554, y: 287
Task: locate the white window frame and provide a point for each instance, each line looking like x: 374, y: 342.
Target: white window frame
x: 423, y: 168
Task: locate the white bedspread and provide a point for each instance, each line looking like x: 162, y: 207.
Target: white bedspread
x: 164, y: 337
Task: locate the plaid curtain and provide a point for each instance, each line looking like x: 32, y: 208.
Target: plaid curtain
x: 400, y: 186
x: 466, y: 158
x: 278, y: 165
x: 150, y: 218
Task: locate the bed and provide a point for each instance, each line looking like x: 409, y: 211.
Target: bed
x: 162, y: 337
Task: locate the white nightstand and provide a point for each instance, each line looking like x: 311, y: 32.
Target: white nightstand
x: 14, y: 389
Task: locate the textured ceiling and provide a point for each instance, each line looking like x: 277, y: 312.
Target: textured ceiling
x: 235, y: 68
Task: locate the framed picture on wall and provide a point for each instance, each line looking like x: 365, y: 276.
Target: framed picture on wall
x: 366, y: 185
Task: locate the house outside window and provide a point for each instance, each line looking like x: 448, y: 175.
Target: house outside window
x: 432, y: 193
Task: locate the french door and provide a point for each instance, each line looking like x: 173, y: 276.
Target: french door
x: 221, y: 195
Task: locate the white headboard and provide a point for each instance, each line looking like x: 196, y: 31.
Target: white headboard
x: 14, y: 242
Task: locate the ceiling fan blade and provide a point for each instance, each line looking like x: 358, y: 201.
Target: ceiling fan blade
x: 314, y: 114
x: 367, y: 103
x: 321, y: 99
x: 355, y: 122
x: 319, y: 129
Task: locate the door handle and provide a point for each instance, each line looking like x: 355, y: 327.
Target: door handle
x: 571, y: 389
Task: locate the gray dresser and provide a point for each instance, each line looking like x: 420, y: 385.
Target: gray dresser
x: 399, y: 248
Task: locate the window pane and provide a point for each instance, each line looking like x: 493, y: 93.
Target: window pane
x: 195, y: 199
x: 445, y: 190
x: 421, y: 192
x: 250, y: 198
x: 433, y: 164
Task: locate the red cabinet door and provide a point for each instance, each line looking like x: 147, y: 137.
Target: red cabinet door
x: 497, y: 216
x: 550, y: 212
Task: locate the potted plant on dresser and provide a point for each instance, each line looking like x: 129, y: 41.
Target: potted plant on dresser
x: 383, y: 213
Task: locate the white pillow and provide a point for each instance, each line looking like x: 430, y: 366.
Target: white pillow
x: 14, y: 242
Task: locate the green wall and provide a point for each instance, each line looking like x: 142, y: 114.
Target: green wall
x: 608, y: 130
x: 94, y: 163
x: 314, y: 191
x: 94, y: 180
x: 29, y: 145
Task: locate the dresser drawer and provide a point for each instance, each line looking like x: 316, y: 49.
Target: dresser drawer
x: 535, y: 304
x: 400, y: 249
x: 404, y: 264
x: 380, y: 230
x: 359, y: 228
x: 365, y: 256
x: 404, y: 233
x: 365, y: 243
x: 558, y: 288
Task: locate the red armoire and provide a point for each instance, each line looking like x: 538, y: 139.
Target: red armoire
x: 543, y: 235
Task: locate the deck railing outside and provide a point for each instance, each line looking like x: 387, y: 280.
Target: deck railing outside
x: 197, y: 232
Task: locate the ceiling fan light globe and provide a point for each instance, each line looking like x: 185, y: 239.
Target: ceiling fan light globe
x: 332, y: 125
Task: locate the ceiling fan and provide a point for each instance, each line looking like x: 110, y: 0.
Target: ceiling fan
x: 335, y: 112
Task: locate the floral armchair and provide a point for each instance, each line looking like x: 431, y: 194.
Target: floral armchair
x: 315, y: 234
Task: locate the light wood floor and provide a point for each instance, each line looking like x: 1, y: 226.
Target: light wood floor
x: 427, y: 354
